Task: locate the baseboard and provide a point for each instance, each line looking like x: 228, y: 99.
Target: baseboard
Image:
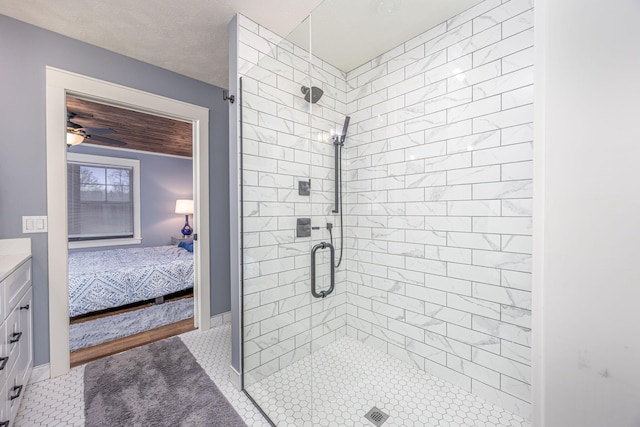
x: 220, y: 319
x: 235, y: 378
x: 40, y: 373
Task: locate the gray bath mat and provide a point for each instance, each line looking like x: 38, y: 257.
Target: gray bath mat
x: 104, y: 329
x: 160, y: 384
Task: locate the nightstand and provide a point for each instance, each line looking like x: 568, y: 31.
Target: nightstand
x: 175, y: 240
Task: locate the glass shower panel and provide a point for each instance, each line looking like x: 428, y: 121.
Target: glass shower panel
x: 278, y: 187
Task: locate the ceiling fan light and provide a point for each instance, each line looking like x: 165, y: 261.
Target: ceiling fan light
x: 74, y: 138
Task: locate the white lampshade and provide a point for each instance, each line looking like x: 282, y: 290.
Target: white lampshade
x: 184, y: 206
x: 74, y: 138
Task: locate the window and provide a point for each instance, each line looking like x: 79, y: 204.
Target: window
x: 103, y: 200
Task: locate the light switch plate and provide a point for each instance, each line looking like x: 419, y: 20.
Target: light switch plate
x: 34, y: 224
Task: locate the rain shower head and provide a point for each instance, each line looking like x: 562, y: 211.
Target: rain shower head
x: 312, y: 94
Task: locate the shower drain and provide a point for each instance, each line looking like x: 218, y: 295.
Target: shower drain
x: 376, y: 416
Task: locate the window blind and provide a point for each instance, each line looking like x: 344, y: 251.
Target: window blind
x: 100, y: 201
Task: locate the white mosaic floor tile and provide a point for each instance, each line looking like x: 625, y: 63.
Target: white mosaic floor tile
x: 60, y: 401
x: 340, y: 383
x: 348, y: 379
x: 54, y: 402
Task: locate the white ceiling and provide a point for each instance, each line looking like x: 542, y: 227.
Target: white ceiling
x: 347, y: 34
x: 191, y: 38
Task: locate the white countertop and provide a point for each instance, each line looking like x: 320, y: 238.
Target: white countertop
x: 10, y: 263
x: 13, y: 253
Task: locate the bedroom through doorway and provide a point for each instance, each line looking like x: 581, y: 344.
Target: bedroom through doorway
x: 129, y: 204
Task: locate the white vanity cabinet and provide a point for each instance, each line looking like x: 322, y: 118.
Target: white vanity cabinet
x: 16, y: 342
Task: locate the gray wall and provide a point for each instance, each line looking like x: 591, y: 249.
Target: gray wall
x: 25, y: 50
x: 162, y: 180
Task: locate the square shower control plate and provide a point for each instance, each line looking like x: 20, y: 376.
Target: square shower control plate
x: 304, y: 188
x: 303, y: 227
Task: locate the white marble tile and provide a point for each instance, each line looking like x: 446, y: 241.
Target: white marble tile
x: 503, y: 119
x: 478, y: 40
x: 517, y: 316
x: 503, y: 330
x: 444, y: 253
x: 474, y: 240
x: 516, y: 352
x: 504, y: 83
x: 501, y: 13
x: 505, y: 366
x: 426, y: 36
x: 517, y: 134
x: 474, y: 338
x: 430, y: 237
x: 474, y: 273
x: 505, y: 225
x: 516, y: 279
x: 472, y: 13
x: 475, y: 371
x: 517, y: 207
x: 453, y: 68
x: 518, y: 60
x: 447, y: 284
x: 518, y: 23
x: 514, y: 404
x: 503, y: 48
x: 520, y: 244
x: 426, y: 93
x: 517, y: 171
x: 503, y: 190
x: 517, y: 97
x: 473, y: 175
x: 474, y: 109
x: 448, y: 131
x: 502, y: 295
x: 474, y: 306
x: 410, y: 56
x: 428, y: 62
x: 474, y: 142
x: 503, y: 260
x: 444, y: 193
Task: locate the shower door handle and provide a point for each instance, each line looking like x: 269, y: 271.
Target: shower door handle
x: 322, y: 245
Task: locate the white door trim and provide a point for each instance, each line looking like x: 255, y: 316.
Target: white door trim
x: 58, y: 84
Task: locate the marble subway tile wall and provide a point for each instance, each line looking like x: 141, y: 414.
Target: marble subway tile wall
x: 286, y: 140
x: 438, y: 176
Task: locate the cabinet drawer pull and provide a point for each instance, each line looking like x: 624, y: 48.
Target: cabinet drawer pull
x: 4, y: 424
x: 15, y: 337
x: 24, y: 307
x: 17, y: 388
x: 3, y: 363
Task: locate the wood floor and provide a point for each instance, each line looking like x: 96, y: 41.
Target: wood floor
x: 107, y: 349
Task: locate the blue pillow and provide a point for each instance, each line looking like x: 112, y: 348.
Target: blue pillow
x: 186, y: 244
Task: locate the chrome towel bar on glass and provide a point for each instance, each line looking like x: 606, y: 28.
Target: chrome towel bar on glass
x: 322, y: 245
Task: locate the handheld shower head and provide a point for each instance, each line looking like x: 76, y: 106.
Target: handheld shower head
x: 344, y: 129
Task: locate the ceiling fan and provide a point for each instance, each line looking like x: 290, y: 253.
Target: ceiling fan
x: 77, y: 134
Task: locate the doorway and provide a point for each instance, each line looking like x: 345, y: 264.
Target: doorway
x: 60, y: 84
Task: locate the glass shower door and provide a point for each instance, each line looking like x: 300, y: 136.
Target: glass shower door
x: 277, y: 220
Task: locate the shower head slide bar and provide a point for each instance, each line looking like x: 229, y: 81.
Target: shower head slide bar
x: 314, y: 292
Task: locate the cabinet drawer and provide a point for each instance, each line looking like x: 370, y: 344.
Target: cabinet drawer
x: 4, y: 354
x: 13, y: 333
x: 4, y: 305
x: 25, y: 322
x: 16, y: 283
x: 15, y: 389
x: 4, y: 404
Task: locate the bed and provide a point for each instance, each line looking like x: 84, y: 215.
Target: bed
x: 111, y: 278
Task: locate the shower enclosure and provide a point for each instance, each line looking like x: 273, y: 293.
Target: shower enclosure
x: 386, y: 170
